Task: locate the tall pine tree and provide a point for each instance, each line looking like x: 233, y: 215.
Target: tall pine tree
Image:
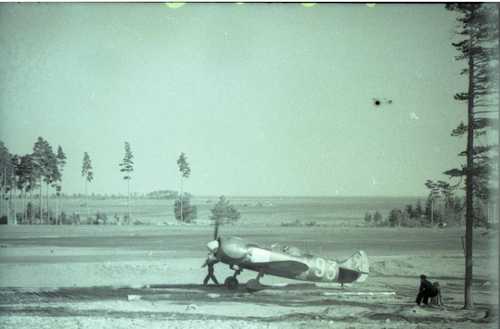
x: 88, y: 176
x: 6, y: 174
x: 43, y: 161
x: 61, y: 162
x: 26, y: 182
x: 52, y: 174
x: 478, y: 30
x: 185, y: 171
x: 127, y: 167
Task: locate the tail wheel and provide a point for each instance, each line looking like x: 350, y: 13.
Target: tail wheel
x: 231, y: 283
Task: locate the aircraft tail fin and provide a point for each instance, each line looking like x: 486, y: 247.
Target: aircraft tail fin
x: 354, y: 268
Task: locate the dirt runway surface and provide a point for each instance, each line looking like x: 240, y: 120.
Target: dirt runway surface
x: 122, y: 277
x: 187, y: 305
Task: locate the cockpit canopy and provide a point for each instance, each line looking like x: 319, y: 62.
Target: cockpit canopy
x: 289, y: 250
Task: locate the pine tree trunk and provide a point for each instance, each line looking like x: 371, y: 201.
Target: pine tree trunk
x: 469, y: 206
x: 29, y: 200
x: 497, y: 206
x: 25, y: 195
x: 41, y: 204
x: 2, y: 193
x: 23, y: 201
x: 47, y: 201
x: 61, y: 205
x: 182, y: 199
x: 9, y: 205
x: 432, y: 212
x: 57, y: 209
x: 15, y: 206
x: 87, y: 200
x: 128, y: 201
x: 30, y: 218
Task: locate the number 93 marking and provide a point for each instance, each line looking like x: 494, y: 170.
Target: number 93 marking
x: 324, y: 269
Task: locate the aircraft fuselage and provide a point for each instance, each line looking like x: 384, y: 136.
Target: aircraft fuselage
x: 305, y: 267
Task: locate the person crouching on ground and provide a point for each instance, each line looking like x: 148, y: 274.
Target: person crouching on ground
x: 426, y: 291
x: 438, y: 299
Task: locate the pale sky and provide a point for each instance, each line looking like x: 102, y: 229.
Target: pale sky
x: 264, y: 99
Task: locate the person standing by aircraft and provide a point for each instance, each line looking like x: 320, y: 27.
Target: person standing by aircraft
x: 427, y: 290
x: 210, y: 262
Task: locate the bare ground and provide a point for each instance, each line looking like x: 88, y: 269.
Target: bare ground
x: 149, y: 277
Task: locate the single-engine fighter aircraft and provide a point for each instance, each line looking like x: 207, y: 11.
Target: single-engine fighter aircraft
x: 379, y: 101
x: 287, y: 262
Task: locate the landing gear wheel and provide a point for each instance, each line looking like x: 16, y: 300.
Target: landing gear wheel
x: 231, y: 283
x: 253, y: 285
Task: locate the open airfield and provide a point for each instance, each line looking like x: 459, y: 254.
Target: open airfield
x: 254, y: 210
x: 142, y: 276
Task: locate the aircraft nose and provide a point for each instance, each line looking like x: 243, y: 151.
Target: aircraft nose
x: 213, y: 245
x: 234, y: 248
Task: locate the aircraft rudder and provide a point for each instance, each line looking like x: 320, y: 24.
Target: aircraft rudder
x: 358, y: 262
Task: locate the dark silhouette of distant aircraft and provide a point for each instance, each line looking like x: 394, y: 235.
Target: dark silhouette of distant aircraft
x: 380, y: 101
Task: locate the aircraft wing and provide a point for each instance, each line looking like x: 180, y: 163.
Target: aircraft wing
x: 284, y: 267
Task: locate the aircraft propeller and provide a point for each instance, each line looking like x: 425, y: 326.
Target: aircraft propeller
x: 212, y: 247
x: 216, y: 230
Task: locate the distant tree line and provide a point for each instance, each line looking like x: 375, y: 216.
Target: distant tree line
x: 162, y: 194
x: 447, y: 213
x: 442, y: 208
x: 23, y: 175
x: 36, y: 177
